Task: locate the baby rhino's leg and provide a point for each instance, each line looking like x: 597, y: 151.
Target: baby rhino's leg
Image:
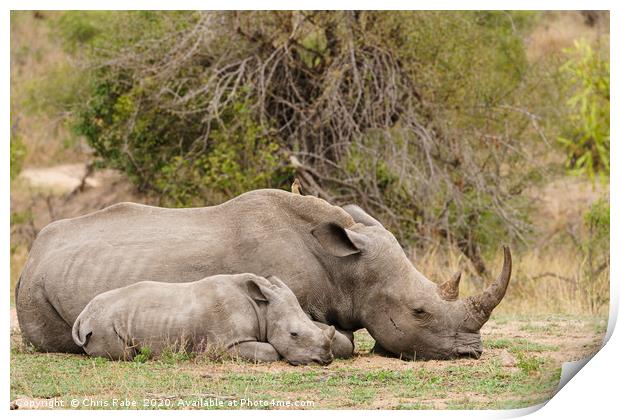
x: 255, y: 351
x: 342, y: 344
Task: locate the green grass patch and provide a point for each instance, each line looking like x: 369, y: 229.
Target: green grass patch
x: 71, y: 376
x: 414, y: 406
x: 143, y: 355
x: 528, y: 364
x: 517, y: 345
x: 363, y: 341
x: 364, y: 381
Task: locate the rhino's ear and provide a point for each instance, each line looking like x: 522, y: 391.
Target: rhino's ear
x: 339, y: 241
x: 259, y: 291
x: 277, y: 282
x: 360, y: 216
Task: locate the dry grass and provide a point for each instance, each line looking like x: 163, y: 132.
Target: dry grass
x: 559, y: 30
x: 543, y: 281
x: 19, y: 255
x: 548, y: 273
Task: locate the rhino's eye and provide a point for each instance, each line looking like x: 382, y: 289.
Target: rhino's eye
x: 293, y: 334
x: 419, y: 312
x: 421, y: 315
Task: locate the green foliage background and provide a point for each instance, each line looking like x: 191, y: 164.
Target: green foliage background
x: 586, y: 137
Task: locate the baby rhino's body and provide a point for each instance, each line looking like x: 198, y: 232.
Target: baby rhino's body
x: 243, y: 314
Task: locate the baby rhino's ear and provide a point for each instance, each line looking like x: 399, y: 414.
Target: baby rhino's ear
x: 330, y: 332
x: 277, y: 282
x: 259, y: 290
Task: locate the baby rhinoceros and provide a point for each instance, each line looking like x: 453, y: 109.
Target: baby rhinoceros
x: 246, y: 315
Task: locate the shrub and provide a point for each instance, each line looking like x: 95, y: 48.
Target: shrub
x: 586, y: 137
x: 78, y: 28
x: 410, y: 114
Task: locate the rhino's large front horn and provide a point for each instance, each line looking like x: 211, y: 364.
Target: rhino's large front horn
x: 483, y: 304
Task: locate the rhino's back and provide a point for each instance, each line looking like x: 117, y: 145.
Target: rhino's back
x: 120, y: 223
x: 131, y: 224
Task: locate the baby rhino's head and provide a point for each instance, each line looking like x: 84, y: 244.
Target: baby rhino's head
x: 290, y: 331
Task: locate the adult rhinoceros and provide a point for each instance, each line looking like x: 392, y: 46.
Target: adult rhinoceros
x: 345, y: 268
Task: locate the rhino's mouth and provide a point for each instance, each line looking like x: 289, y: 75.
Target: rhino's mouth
x: 323, y: 361
x: 461, y: 353
x: 472, y: 352
x: 467, y: 345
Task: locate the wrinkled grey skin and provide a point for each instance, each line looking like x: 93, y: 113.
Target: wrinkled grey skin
x: 243, y: 314
x: 344, y: 269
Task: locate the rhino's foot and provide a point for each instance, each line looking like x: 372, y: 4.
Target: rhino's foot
x: 380, y: 351
x: 255, y: 351
x: 342, y: 344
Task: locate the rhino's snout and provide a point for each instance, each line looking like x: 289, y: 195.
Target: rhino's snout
x: 468, y: 345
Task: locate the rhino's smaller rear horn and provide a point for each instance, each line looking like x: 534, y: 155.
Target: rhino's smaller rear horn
x: 449, y: 290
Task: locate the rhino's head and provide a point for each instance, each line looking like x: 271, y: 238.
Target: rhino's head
x: 407, y: 314
x: 289, y: 330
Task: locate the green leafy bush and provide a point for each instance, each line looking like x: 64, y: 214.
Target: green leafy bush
x: 78, y: 28
x: 586, y: 139
x: 410, y: 114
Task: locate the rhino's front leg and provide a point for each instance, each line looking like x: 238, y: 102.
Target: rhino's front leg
x: 379, y: 350
x: 342, y: 345
x: 255, y: 351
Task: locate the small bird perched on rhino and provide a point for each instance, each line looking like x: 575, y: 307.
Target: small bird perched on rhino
x: 243, y: 314
x: 296, y: 187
